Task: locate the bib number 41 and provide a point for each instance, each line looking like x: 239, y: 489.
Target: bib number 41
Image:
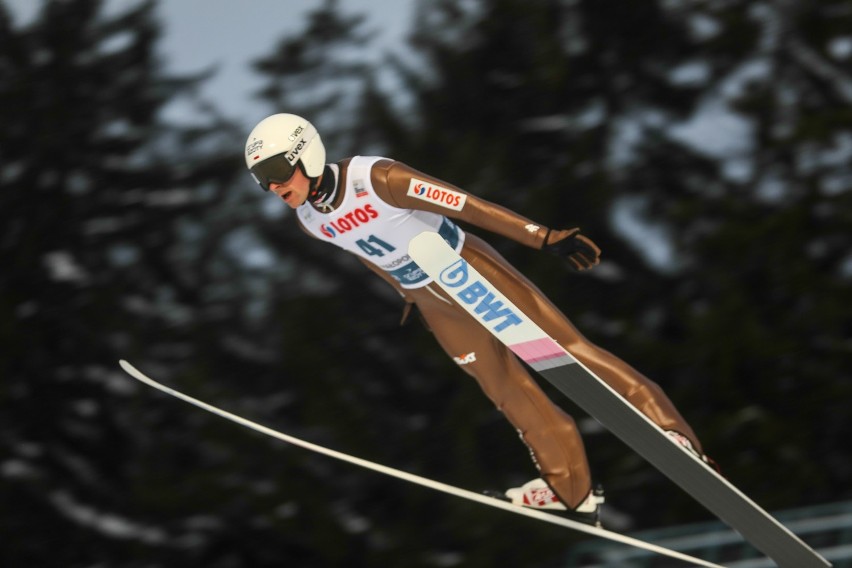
x: 374, y: 246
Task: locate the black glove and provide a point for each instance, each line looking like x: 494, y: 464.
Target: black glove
x: 580, y: 251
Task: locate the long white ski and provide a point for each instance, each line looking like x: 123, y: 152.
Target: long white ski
x: 529, y: 342
x: 425, y: 482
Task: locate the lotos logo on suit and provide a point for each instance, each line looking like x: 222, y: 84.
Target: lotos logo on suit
x: 437, y: 195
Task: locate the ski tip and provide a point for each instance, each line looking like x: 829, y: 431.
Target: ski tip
x: 131, y: 370
x: 136, y: 373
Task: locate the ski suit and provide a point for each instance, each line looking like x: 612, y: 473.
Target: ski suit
x: 379, y: 205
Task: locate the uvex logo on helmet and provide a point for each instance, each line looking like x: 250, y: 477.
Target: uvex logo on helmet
x: 293, y: 155
x: 348, y: 221
x: 441, y: 196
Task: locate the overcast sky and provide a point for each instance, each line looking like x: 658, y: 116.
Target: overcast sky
x: 229, y: 34
x: 232, y: 33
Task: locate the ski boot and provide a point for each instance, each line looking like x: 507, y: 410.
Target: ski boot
x: 686, y: 444
x: 537, y: 494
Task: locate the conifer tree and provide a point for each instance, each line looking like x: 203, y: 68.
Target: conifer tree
x: 98, y: 204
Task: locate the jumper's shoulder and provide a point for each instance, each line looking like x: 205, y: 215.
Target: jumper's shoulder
x: 409, y: 188
x: 391, y: 178
x: 385, y: 170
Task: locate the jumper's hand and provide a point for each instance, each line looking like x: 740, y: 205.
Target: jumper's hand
x: 580, y: 251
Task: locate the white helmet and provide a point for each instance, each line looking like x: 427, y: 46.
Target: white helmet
x: 278, y: 143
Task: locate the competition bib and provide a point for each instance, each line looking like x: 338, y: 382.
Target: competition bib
x: 375, y: 230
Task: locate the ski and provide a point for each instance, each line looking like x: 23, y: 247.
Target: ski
x: 416, y: 479
x: 528, y: 341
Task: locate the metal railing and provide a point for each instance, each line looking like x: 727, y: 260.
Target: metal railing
x: 827, y: 528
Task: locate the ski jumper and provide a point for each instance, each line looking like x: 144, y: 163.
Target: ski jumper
x: 380, y: 205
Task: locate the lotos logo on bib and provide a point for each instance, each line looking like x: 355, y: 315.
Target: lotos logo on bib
x: 437, y: 195
x: 348, y: 221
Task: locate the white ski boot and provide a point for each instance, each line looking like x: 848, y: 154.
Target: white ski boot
x: 537, y: 494
x: 686, y: 444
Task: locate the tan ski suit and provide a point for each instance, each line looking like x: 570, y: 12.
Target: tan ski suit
x: 550, y: 434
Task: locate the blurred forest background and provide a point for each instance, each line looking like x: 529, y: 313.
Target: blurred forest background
x: 726, y: 275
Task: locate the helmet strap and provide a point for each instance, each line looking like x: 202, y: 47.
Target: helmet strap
x: 322, y: 193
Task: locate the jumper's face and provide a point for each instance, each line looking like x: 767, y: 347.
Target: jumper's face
x: 293, y: 191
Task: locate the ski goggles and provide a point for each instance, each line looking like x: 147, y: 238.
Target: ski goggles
x: 276, y: 169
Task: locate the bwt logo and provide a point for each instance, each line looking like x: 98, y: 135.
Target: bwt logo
x: 476, y: 293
